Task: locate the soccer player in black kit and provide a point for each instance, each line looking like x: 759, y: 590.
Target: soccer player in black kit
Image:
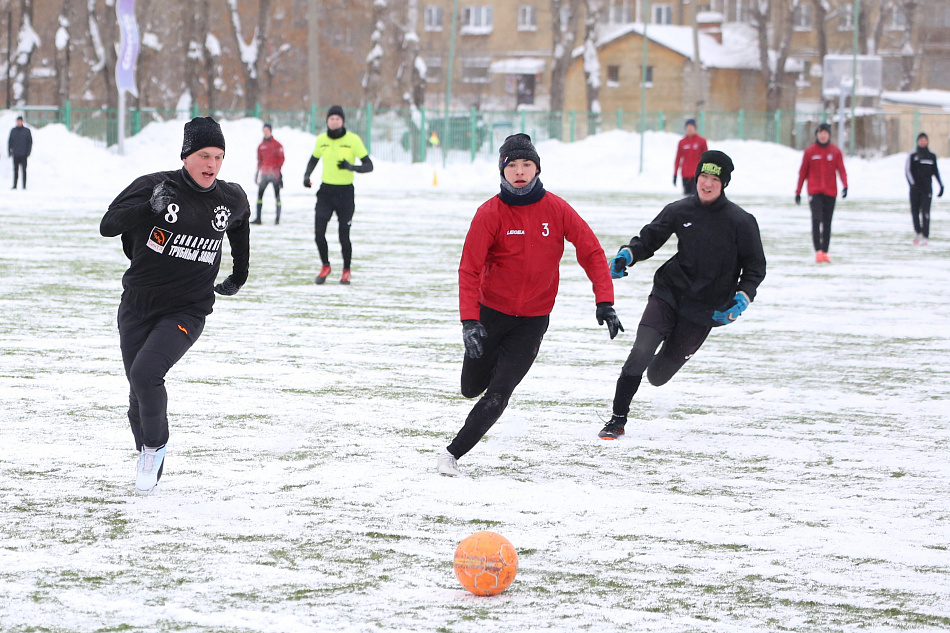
x: 172, y: 224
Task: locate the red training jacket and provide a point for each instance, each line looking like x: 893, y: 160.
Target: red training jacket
x: 511, y: 256
x: 688, y: 151
x: 819, y: 165
x: 270, y: 157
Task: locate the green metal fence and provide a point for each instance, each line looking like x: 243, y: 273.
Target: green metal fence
x: 406, y: 136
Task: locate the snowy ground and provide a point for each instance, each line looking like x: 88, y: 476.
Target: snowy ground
x: 793, y: 477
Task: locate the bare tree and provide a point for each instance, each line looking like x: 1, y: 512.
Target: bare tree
x: 774, y: 39
x: 910, y: 58
x: 250, y: 52
x: 412, y: 71
x: 374, y: 60
x: 592, y: 62
x: 563, y: 38
x: 61, y: 58
x: 27, y: 42
x: 821, y: 16
x: 102, y: 37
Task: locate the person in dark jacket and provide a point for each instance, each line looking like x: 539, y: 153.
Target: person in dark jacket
x: 172, y: 224
x: 339, y: 150
x: 270, y: 158
x: 508, y: 282
x: 822, y: 163
x: 712, y: 278
x: 920, y: 170
x: 19, y: 146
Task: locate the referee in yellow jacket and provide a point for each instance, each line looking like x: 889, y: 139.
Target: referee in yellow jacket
x: 339, y: 150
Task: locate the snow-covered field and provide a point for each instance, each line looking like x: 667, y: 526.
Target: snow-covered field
x: 793, y: 477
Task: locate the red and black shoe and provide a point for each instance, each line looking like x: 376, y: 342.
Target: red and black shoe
x: 322, y: 277
x: 345, y: 277
x: 614, y: 428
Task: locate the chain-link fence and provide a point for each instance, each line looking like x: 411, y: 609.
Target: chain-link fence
x: 437, y: 136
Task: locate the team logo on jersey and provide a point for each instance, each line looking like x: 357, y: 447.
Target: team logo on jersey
x: 158, y: 239
x: 221, y: 216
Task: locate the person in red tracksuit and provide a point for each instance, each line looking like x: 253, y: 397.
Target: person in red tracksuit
x: 270, y: 158
x: 508, y: 281
x: 821, y: 164
x: 688, y: 151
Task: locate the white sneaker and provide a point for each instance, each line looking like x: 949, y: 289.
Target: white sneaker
x: 149, y: 469
x: 924, y: 241
x: 448, y: 465
x: 917, y: 239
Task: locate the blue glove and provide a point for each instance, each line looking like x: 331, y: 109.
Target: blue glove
x: 737, y: 308
x: 618, y: 265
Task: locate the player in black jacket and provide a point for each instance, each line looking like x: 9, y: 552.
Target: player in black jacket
x: 718, y: 266
x: 19, y: 146
x: 172, y: 224
x: 920, y: 169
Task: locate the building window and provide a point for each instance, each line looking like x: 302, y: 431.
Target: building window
x: 742, y: 11
x: 649, y: 83
x: 802, y: 19
x: 613, y: 76
x: 662, y: 14
x: 432, y: 20
x: 476, y: 70
x: 433, y: 70
x: 476, y: 21
x: 620, y: 12
x: 846, y: 17
x: 527, y: 18
x: 939, y: 74
x: 898, y: 21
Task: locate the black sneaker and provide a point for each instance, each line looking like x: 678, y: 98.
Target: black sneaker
x: 614, y: 428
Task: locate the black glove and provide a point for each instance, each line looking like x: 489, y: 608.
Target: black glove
x: 674, y: 180
x: 844, y: 193
x: 606, y: 314
x: 472, y: 334
x: 798, y: 198
x: 306, y: 182
x: 344, y: 164
x: 163, y: 194
x: 227, y: 287
x: 940, y: 195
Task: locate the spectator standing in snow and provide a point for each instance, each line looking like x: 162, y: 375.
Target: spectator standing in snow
x: 821, y: 164
x: 718, y: 265
x: 508, y: 282
x: 19, y: 146
x: 172, y: 224
x: 339, y: 150
x: 688, y: 151
x: 270, y: 158
x: 920, y: 170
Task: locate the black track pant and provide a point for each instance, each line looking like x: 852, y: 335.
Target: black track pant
x: 920, y: 210
x: 19, y: 164
x: 150, y: 347
x: 330, y: 198
x: 689, y: 186
x: 275, y: 182
x: 659, y: 324
x: 509, y: 351
x: 822, y: 208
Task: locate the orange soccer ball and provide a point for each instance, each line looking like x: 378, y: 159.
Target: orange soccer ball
x: 486, y: 563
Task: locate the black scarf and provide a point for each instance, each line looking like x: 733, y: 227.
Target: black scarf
x: 529, y: 194
x: 337, y: 133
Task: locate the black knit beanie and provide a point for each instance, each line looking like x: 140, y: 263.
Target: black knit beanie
x: 923, y: 135
x: 201, y: 132
x: 717, y: 164
x: 337, y: 110
x: 823, y: 126
x: 517, y: 146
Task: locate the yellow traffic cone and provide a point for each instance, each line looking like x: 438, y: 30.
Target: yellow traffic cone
x: 435, y: 178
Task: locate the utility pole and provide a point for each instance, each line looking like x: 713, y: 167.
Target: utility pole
x: 9, y: 51
x: 643, y: 80
x: 697, y: 64
x: 856, y: 14
x: 313, y: 52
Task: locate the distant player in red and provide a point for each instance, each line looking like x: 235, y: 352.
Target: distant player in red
x: 688, y: 151
x: 820, y: 164
x: 270, y: 158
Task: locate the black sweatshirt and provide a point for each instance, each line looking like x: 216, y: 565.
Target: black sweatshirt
x: 719, y: 253
x: 175, y: 254
x: 920, y: 168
